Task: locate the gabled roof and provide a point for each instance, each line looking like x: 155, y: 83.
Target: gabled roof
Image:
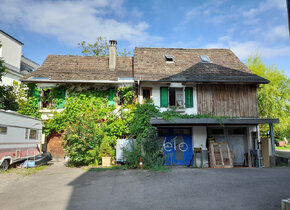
x: 150, y: 65
x: 81, y: 68
x: 11, y: 37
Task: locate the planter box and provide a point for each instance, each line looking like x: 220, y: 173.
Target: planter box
x: 106, y: 161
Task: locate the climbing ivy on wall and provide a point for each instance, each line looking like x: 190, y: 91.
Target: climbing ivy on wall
x: 90, y: 125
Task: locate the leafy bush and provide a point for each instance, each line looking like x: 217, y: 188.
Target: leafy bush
x: 82, y: 140
x: 132, y: 153
x: 125, y: 95
x: 8, y: 98
x: 106, y: 149
x: 146, y: 138
x: 90, y: 126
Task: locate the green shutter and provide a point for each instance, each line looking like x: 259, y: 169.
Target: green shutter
x: 188, y: 97
x: 163, y: 97
x: 59, y: 95
x: 112, y: 95
x: 36, y: 94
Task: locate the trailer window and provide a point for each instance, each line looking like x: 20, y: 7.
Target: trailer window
x: 3, y: 130
x: 33, y: 134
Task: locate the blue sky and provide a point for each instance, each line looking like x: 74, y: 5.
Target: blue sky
x: 56, y: 26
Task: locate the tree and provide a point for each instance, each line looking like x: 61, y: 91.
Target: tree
x: 273, y: 98
x: 99, y: 48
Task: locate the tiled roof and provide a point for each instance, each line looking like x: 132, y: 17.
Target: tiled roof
x: 150, y: 65
x: 68, y: 67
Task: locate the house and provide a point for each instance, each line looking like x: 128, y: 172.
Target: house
x: 209, y: 82
x: 17, y: 65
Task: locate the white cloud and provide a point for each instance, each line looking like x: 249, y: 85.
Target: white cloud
x: 265, y: 6
x: 244, y: 49
x: 277, y: 33
x: 72, y: 21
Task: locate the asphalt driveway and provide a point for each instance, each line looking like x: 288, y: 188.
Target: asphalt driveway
x: 59, y: 187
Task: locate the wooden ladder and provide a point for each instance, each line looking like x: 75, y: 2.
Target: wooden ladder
x: 221, y: 155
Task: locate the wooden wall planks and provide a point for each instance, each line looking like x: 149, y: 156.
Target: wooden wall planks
x: 227, y: 100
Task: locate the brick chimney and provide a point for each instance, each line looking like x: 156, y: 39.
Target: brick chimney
x: 112, y: 54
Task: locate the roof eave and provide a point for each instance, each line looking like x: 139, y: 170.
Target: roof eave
x: 213, y: 121
x: 79, y: 81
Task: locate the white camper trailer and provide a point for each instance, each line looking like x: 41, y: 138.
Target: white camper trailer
x: 20, y: 137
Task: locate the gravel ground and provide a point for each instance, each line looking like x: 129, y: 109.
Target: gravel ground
x: 59, y: 187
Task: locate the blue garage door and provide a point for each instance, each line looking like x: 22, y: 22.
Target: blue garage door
x: 177, y: 145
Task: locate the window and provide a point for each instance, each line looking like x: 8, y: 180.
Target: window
x: 46, y: 99
x: 169, y: 58
x: 182, y: 131
x: 3, y: 130
x: 237, y: 131
x: 147, y: 93
x: 53, y: 97
x: 163, y: 131
x: 176, y: 97
x: 205, y: 59
x: 215, y: 131
x: 33, y: 134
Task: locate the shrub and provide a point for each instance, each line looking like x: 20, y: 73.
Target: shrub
x: 82, y: 140
x: 146, y: 138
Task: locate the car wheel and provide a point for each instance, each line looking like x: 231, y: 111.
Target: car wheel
x: 4, y: 166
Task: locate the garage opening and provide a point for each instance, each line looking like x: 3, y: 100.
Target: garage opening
x: 235, y: 137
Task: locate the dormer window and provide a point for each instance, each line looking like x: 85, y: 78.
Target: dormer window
x: 205, y: 59
x: 169, y: 58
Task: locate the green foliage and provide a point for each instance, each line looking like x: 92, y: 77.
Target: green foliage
x: 132, y: 154
x: 141, y: 123
x: 146, y: 138
x: 106, y: 149
x: 2, y: 68
x: 125, y: 95
x: 90, y: 126
x: 8, y: 98
x: 54, y: 97
x: 77, y: 105
x: 273, y: 98
x: 29, y: 107
x: 28, y: 103
x: 111, y: 168
x: 82, y: 140
x: 99, y: 48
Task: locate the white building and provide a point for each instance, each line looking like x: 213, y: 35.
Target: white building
x: 17, y: 65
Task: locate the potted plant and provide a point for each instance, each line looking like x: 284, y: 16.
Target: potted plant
x: 106, y: 152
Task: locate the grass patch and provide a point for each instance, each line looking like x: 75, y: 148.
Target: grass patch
x: 287, y: 147
x: 24, y: 171
x: 159, y: 169
x: 111, y: 168
x: 124, y: 167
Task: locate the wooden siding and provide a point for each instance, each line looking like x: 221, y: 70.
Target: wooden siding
x: 227, y: 100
